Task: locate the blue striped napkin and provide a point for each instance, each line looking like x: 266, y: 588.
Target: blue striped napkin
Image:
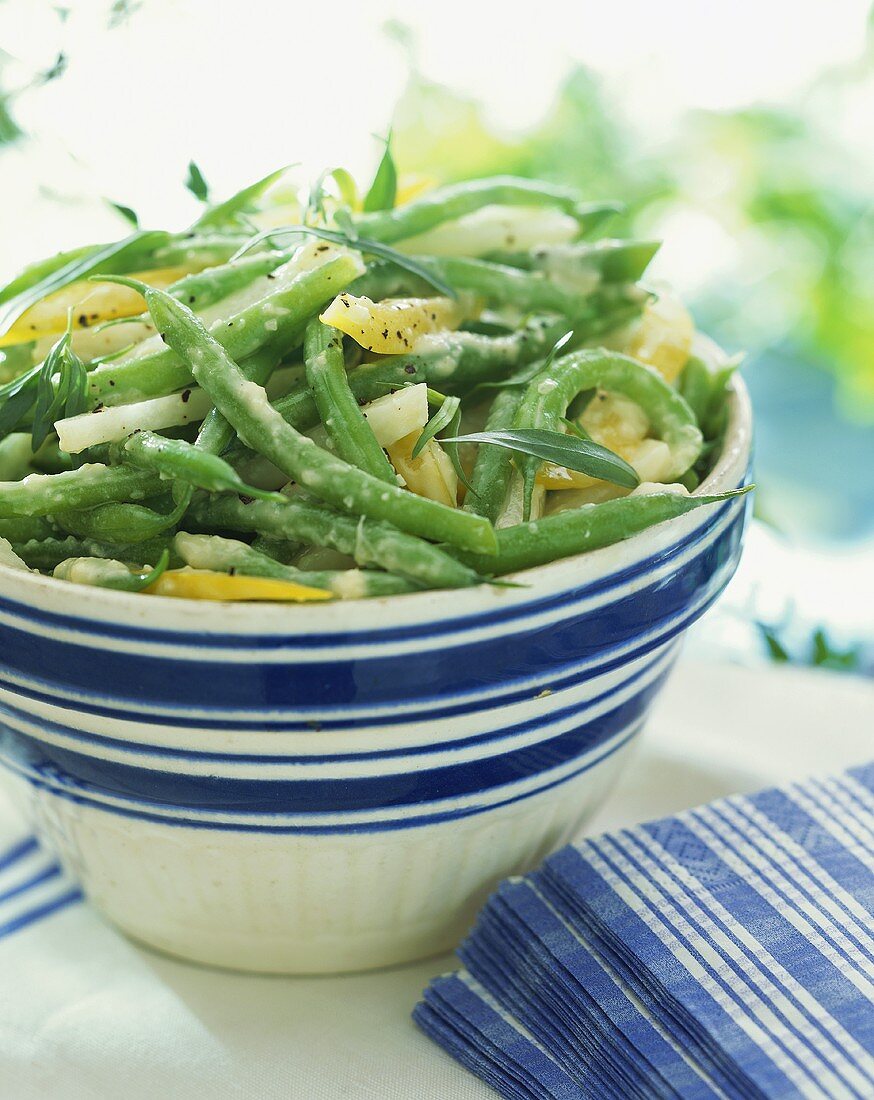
x: 724, y: 952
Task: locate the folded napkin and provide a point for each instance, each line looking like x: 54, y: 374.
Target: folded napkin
x: 724, y: 952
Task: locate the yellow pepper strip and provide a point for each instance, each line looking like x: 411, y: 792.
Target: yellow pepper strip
x: 663, y: 335
x: 203, y: 584
x: 393, y: 326
x: 92, y: 303
x: 430, y: 473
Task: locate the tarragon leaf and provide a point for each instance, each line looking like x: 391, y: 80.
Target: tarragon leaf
x: 582, y: 455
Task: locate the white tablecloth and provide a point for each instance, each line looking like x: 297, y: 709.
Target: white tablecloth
x: 86, y: 1014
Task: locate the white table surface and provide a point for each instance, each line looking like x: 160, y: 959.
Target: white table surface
x: 716, y: 730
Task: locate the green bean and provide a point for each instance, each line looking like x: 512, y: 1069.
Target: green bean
x: 86, y: 487
x: 198, y: 249
x: 15, y: 456
x: 24, y: 528
x: 368, y: 542
x: 458, y: 362
x: 46, y: 553
x: 384, y: 279
x: 275, y: 323
x: 215, y: 432
x: 454, y: 201
x: 281, y: 550
x: 716, y: 414
x: 551, y: 390
x: 118, y: 522
x: 212, y: 284
x: 590, y: 527
x: 339, y: 410
x: 230, y: 556
x: 50, y: 459
x: 494, y: 465
x: 530, y: 292
x: 324, y: 475
x: 177, y: 460
x: 188, y: 465
x: 454, y: 362
x: 695, y: 386
x: 580, y: 265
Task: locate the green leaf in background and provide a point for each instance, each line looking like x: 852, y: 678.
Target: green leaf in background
x: 121, y: 11
x: 820, y: 651
x: 127, y: 212
x: 384, y: 189
x: 776, y: 650
x: 57, y: 69
x: 196, y: 184
x: 825, y: 655
x: 582, y: 455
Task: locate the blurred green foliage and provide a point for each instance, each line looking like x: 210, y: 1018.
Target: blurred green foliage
x: 786, y: 183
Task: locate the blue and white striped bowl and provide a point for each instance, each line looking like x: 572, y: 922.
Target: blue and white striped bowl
x: 337, y: 787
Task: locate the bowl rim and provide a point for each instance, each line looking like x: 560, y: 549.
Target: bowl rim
x: 344, y: 616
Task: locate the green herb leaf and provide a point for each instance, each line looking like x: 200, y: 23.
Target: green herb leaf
x: 126, y: 212
x: 196, y: 184
x: 440, y: 420
x: 825, y: 655
x: 61, y: 389
x: 529, y: 373
x: 384, y: 189
x: 231, y: 210
x: 451, y: 448
x: 16, y: 399
x: 343, y: 219
x: 575, y: 429
x: 561, y: 342
x: 119, y: 256
x: 582, y: 455
x: 361, y: 244
x: 346, y: 188
x: 448, y: 416
x: 139, y: 581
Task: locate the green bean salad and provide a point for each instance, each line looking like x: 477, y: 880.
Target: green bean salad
x: 334, y: 395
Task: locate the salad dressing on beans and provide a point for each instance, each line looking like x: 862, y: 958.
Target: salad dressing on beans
x: 447, y: 391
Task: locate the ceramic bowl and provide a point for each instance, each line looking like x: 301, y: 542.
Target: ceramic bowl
x: 337, y: 787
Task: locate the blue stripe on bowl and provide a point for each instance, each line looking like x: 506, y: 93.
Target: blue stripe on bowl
x: 22, y: 722
x: 351, y: 825
x: 269, y: 796
x: 443, y: 675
